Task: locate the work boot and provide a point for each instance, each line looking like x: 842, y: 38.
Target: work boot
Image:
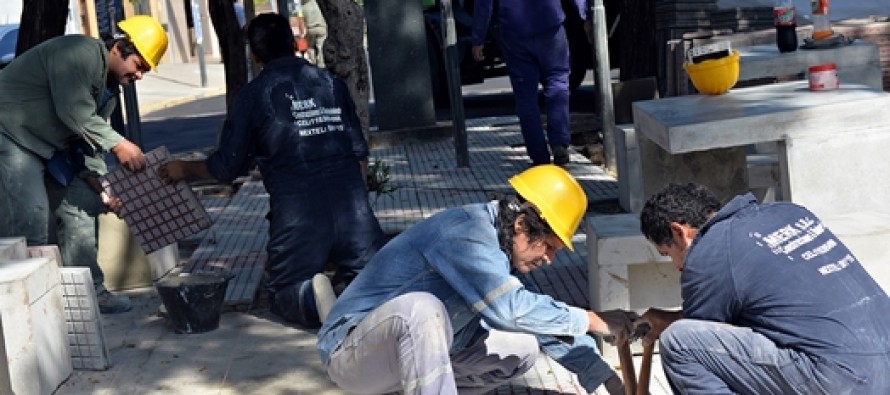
x: 324, y: 295
x: 560, y: 154
x: 110, y: 303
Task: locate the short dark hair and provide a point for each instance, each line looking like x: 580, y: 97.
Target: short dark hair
x: 532, y: 223
x: 270, y: 37
x: 689, y: 204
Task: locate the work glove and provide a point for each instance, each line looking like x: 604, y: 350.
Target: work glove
x: 621, y: 325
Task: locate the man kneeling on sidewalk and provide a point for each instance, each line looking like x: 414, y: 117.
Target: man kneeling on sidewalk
x: 773, y: 302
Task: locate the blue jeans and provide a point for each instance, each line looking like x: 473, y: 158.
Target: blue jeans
x: 76, y: 208
x: 541, y: 59
x: 702, y: 357
x: 24, y: 206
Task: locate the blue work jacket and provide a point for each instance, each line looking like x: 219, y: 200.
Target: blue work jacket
x: 521, y: 18
x: 455, y: 256
x: 297, y: 123
x: 777, y: 269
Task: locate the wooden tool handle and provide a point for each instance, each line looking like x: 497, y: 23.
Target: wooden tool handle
x: 645, y: 370
x: 627, y: 368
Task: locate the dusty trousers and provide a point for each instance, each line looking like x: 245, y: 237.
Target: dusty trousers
x: 403, y: 345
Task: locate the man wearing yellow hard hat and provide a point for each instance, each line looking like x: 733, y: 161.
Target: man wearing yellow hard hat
x: 446, y: 305
x: 54, y: 102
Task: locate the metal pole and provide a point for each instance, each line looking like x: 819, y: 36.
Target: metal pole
x: 604, y: 82
x: 282, y: 6
x: 199, y: 41
x: 452, y: 69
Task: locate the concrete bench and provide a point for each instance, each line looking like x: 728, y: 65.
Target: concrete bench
x: 703, y: 138
x: 762, y: 170
x: 858, y: 63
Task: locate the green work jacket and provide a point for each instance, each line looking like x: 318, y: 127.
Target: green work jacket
x: 49, y: 96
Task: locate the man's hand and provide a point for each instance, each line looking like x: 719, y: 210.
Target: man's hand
x: 172, y: 171
x: 588, y: 30
x: 658, y: 320
x: 112, y: 202
x: 129, y: 155
x: 616, y: 327
x: 479, y: 53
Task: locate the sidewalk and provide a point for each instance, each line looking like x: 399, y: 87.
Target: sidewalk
x: 173, y: 84
x: 253, y: 351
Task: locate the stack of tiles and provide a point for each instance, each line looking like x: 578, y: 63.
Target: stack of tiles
x: 86, y: 338
x: 157, y: 213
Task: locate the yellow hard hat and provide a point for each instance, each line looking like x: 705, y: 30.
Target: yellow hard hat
x: 714, y: 76
x: 147, y: 35
x: 557, y: 196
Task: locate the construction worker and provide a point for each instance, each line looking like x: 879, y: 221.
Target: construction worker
x: 298, y: 124
x: 446, y: 304
x: 536, y: 50
x: 54, y: 102
x: 310, y: 29
x: 773, y: 301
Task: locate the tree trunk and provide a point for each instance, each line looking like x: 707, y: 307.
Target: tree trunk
x: 638, y: 26
x: 40, y: 21
x: 344, y: 52
x: 232, y: 46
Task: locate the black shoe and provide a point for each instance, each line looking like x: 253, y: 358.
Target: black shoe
x: 296, y: 304
x: 560, y: 154
x: 110, y: 303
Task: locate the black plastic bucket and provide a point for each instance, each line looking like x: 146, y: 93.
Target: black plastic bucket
x: 194, y: 301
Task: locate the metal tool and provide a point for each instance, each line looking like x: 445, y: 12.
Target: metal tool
x: 631, y: 385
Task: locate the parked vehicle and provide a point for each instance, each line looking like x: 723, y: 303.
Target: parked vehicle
x: 9, y: 34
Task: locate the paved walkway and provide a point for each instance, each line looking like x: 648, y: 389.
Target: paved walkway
x: 254, y: 352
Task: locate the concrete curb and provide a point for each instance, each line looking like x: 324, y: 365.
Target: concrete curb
x: 163, y: 104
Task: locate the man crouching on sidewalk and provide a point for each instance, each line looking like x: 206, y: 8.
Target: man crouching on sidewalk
x: 446, y: 305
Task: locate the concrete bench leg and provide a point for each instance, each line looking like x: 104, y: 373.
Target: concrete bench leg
x: 625, y: 271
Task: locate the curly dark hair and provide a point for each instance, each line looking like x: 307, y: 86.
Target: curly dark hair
x: 689, y: 204
x: 532, y: 223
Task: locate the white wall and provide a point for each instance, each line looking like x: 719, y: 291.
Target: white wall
x: 11, y: 12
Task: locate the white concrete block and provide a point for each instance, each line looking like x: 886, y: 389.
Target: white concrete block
x: 5, y: 382
x: 630, y: 171
x: 867, y: 234
x: 86, y: 336
x: 625, y: 271
x: 615, y: 244
x: 856, y: 180
x: 13, y: 248
x: 36, y: 345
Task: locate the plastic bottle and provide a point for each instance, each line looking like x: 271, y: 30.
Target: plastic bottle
x: 786, y: 25
x: 821, y: 25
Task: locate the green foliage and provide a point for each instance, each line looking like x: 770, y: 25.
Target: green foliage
x: 378, y: 179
